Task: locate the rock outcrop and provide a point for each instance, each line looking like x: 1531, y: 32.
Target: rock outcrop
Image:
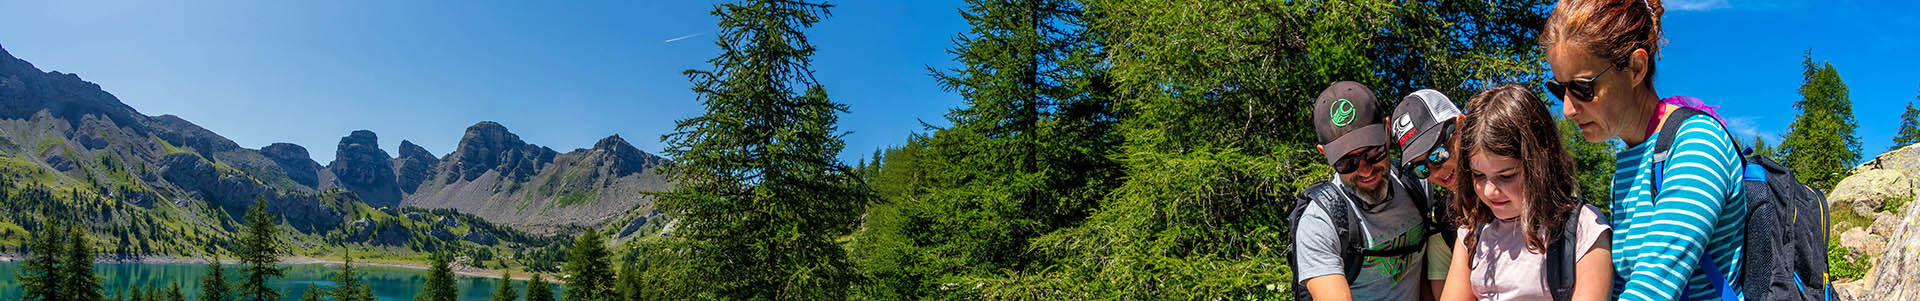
x: 1882, y: 190
x: 414, y: 166
x: 294, y: 159
x: 362, y: 167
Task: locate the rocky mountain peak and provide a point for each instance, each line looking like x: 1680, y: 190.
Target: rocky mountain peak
x: 414, y: 166
x: 622, y: 158
x: 489, y: 146
x: 364, y: 168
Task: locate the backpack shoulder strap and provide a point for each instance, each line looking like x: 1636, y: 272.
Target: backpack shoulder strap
x: 1563, y: 258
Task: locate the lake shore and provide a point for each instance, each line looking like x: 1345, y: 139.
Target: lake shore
x: 462, y: 271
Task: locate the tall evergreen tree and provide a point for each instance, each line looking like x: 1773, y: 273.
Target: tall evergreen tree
x: 77, y: 281
x: 505, y: 291
x: 1820, y: 144
x: 347, y: 285
x: 1028, y: 153
x: 1909, y: 133
x: 259, y: 253
x: 40, y: 275
x: 439, y: 284
x: 213, y: 286
x: 174, y: 294
x: 539, y: 290
x: 591, y: 275
x: 1760, y: 147
x: 760, y: 192
x: 312, y: 293
x: 630, y: 284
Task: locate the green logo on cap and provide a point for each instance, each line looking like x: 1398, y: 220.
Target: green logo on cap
x: 1342, y: 112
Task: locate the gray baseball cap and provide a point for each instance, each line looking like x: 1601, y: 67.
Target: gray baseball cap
x: 1346, y: 117
x: 1418, y: 120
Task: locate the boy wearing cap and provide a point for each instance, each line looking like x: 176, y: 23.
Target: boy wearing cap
x: 1423, y: 128
x: 1360, y: 235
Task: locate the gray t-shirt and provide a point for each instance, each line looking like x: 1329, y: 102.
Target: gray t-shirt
x: 1391, y: 224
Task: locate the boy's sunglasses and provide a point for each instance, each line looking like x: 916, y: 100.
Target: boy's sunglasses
x: 1580, y: 88
x: 1434, y: 160
x: 1352, y: 162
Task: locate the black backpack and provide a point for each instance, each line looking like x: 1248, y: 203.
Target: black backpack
x: 1784, y: 257
x: 1338, y: 203
x: 1563, y: 257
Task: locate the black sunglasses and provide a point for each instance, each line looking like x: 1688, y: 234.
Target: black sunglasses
x: 1580, y: 88
x: 1352, y: 162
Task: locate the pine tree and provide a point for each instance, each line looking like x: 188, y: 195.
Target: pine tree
x: 77, y: 281
x: 760, y: 193
x: 258, y: 254
x: 1820, y: 144
x: 591, y: 276
x: 40, y: 275
x: 439, y: 284
x: 1909, y: 133
x: 539, y: 290
x: 505, y: 291
x: 1760, y: 147
x: 174, y: 294
x: 1029, y: 152
x: 213, y: 286
x: 347, y: 285
x: 313, y: 293
x: 630, y: 284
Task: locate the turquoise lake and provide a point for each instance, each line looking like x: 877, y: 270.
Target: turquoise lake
x: 389, y: 283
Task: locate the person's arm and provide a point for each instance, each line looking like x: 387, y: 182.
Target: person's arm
x: 1330, y: 287
x: 1698, y: 174
x: 1318, y: 257
x: 1593, y: 275
x: 1457, y: 287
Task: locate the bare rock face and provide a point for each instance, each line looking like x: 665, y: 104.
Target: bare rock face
x: 489, y: 146
x: 295, y: 161
x: 1894, y: 236
x: 1896, y: 275
x: 362, y: 167
x: 414, y: 166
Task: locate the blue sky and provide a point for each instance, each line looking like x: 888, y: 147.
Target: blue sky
x: 565, y: 74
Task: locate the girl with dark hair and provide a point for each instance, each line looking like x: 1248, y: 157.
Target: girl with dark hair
x: 1516, y: 195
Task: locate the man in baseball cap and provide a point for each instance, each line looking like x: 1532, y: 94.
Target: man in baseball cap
x: 1360, y: 235
x: 1422, y: 127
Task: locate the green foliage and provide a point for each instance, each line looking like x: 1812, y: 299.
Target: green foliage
x: 439, y: 284
x: 505, y: 292
x: 1845, y: 265
x: 77, y: 281
x: 347, y: 285
x: 174, y: 294
x: 213, y: 286
x: 1594, y: 164
x: 1909, y: 133
x: 539, y: 290
x: 759, y: 191
x: 1760, y: 147
x: 1820, y: 144
x: 259, y: 253
x: 40, y: 275
x: 311, y: 294
x: 591, y: 275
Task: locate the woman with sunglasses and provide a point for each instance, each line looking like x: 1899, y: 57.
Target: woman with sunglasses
x: 1677, y: 230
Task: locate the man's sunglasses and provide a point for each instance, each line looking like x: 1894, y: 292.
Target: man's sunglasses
x: 1580, y: 88
x: 1352, y: 162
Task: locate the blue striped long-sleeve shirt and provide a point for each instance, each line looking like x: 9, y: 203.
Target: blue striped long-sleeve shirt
x: 1699, y: 210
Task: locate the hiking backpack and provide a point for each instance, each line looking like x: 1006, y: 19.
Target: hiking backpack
x: 1784, y: 256
x: 1338, y: 205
